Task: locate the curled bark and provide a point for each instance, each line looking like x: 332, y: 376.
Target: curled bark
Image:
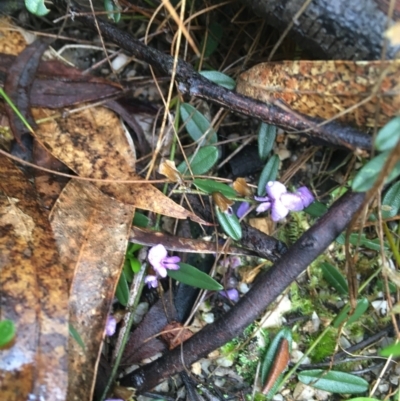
x: 311, y: 244
x: 332, y: 29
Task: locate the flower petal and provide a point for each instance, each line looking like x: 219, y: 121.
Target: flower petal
x: 111, y: 326
x: 292, y: 201
x: 151, y: 281
x: 263, y: 207
x: 275, y: 189
x: 156, y: 255
x: 232, y: 294
x: 278, y: 211
x: 242, y: 209
x: 262, y: 199
x: 306, y: 196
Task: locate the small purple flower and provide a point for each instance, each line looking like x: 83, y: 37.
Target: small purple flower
x: 111, y: 326
x: 242, y: 209
x: 280, y: 201
x: 151, y: 281
x: 159, y: 259
x: 232, y: 294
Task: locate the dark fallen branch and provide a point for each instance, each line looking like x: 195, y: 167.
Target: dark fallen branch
x: 268, y: 287
x: 191, y: 82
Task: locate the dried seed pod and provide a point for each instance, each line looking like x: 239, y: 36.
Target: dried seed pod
x: 222, y: 202
x: 241, y: 187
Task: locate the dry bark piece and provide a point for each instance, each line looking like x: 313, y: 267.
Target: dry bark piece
x: 91, y: 230
x: 148, y: 237
x: 325, y: 88
x: 33, y: 295
x: 94, y: 144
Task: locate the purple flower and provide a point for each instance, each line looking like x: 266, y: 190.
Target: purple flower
x: 232, y: 294
x: 151, y: 281
x: 242, y: 209
x: 159, y: 259
x: 280, y: 201
x: 111, y: 326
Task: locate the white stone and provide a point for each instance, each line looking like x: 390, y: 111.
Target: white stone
x: 120, y: 62
x: 302, y: 392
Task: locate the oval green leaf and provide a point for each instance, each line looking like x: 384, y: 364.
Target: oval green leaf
x: 391, y: 201
x: 362, y: 240
x: 269, y: 173
x: 36, y: 7
x: 7, y: 332
x: 316, y: 209
x: 269, y: 359
x: 393, y: 349
x: 140, y: 220
x: 335, y: 278
x: 363, y: 399
x: 190, y: 275
x: 366, y: 177
x: 389, y: 135
x: 219, y: 78
x: 197, y: 125
x: 362, y: 306
x: 210, y: 186
x: 203, y: 161
x: 333, y: 381
x: 113, y: 10
x: 122, y: 291
x: 266, y: 139
x: 230, y: 224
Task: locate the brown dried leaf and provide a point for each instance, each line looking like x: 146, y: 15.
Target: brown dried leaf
x: 175, y: 333
x: 18, y: 85
x: 94, y: 144
x: 11, y: 39
x: 325, y: 88
x: 33, y: 295
x: 91, y: 231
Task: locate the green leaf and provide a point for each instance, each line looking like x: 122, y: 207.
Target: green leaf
x: 366, y: 177
x: 270, y: 356
x: 36, y: 7
x: 214, y: 36
x: 373, y: 244
x: 113, y: 10
x: 333, y: 381
x: 230, y: 224
x: 391, y: 201
x: 269, y: 173
x: 389, y: 135
x: 363, y: 399
x: 335, y: 278
x: 7, y: 332
x: 393, y: 349
x: 189, y: 275
x: 75, y: 335
x: 203, y: 161
x: 122, y: 291
x: 140, y: 220
x: 196, y: 125
x: 266, y: 139
x: 362, y: 306
x: 219, y: 78
x: 127, y: 269
x: 135, y: 265
x: 316, y: 209
x: 210, y: 186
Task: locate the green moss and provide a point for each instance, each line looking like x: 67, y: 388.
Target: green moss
x: 325, y: 347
